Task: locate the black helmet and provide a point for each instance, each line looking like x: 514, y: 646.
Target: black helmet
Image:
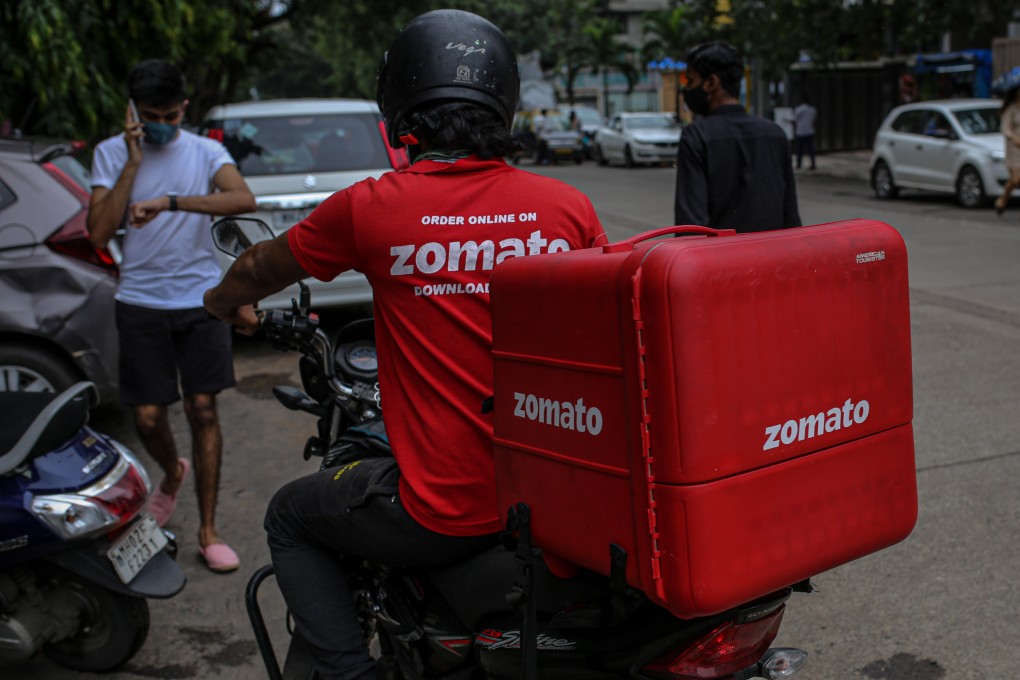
x: 446, y: 56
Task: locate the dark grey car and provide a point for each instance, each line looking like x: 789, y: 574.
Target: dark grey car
x: 56, y: 289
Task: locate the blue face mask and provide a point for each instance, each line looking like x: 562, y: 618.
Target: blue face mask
x: 159, y: 133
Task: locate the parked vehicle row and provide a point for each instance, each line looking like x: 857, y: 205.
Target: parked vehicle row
x: 546, y: 136
x: 638, y: 139
x: 949, y: 146
x: 56, y: 288
x: 646, y: 138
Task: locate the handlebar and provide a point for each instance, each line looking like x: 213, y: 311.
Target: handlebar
x: 287, y: 330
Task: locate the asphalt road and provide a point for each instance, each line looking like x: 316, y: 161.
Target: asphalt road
x: 941, y: 605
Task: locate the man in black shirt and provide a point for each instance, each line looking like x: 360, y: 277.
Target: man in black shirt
x: 734, y: 170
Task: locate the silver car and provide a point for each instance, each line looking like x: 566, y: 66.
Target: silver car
x: 638, y: 138
x: 951, y: 146
x: 294, y: 153
x: 56, y: 289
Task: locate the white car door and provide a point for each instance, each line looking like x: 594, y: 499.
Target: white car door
x: 613, y: 145
x: 900, y: 144
x: 935, y: 151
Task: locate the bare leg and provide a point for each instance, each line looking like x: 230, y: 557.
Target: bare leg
x: 207, y: 447
x: 154, y: 431
x: 1012, y: 183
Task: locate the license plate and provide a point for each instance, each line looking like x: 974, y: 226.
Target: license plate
x: 132, y: 551
x: 285, y: 219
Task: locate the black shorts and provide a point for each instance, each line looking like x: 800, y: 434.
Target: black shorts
x: 160, y: 346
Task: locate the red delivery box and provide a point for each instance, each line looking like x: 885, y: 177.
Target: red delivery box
x: 733, y: 411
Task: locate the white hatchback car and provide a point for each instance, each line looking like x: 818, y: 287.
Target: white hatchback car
x: 633, y: 138
x: 295, y: 153
x: 951, y: 146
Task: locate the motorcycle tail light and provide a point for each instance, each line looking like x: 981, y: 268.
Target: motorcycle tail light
x: 109, y: 503
x: 125, y: 498
x: 731, y: 647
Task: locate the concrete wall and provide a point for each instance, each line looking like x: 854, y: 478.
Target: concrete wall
x: 1005, y: 55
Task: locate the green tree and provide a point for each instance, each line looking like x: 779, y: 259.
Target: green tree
x: 66, y: 61
x: 336, y: 49
x: 608, y: 54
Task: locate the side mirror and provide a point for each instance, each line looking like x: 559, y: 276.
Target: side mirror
x: 234, y: 235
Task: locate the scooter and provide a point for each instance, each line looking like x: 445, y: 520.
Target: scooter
x: 78, y: 556
x: 500, y: 615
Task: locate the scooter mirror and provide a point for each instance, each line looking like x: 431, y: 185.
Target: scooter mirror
x: 234, y: 235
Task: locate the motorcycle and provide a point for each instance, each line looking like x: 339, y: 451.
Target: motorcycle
x: 501, y: 614
x: 78, y: 556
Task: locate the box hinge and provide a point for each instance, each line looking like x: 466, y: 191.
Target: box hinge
x: 646, y: 428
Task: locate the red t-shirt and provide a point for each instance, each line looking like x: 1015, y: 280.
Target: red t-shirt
x: 427, y: 238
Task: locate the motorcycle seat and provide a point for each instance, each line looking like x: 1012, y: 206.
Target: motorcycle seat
x: 37, y: 423
x: 478, y: 587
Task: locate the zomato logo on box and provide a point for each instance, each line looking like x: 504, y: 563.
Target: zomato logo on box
x: 565, y: 415
x: 812, y: 426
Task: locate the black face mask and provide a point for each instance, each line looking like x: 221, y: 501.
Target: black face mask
x: 696, y: 99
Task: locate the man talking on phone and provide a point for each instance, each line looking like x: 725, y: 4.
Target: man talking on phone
x: 162, y: 183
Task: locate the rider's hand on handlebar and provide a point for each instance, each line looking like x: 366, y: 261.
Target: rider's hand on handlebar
x: 244, y: 318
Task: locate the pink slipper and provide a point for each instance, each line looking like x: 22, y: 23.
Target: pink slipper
x: 219, y: 557
x: 162, y: 504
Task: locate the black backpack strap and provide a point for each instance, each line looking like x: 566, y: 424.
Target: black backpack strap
x: 521, y: 597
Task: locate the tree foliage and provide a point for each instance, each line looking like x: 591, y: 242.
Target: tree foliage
x: 65, y: 61
x: 779, y: 32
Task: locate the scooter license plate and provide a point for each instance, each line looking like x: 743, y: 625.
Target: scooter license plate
x: 132, y: 551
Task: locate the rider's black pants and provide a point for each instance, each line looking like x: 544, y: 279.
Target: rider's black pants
x: 353, y: 510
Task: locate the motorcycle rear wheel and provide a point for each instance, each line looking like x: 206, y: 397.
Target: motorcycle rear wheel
x: 113, y: 628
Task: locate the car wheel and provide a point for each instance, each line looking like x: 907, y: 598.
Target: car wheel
x: 27, y: 369
x: 970, y: 190
x: 882, y: 181
x: 600, y: 157
x: 628, y: 157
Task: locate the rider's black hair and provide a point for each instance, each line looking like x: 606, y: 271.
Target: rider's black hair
x: 718, y: 58
x: 156, y: 82
x: 462, y: 126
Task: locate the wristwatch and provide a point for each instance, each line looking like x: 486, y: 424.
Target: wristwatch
x: 172, y: 195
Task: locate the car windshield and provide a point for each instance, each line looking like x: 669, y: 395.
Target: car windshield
x: 651, y: 123
x: 75, y: 171
x: 983, y: 121
x: 588, y: 116
x: 556, y: 121
x: 304, y: 143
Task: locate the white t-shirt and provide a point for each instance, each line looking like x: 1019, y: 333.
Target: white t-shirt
x: 170, y: 261
x: 804, y: 120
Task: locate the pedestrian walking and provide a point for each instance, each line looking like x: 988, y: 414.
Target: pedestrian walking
x: 804, y: 116
x: 162, y: 182
x: 1010, y: 117
x: 734, y: 170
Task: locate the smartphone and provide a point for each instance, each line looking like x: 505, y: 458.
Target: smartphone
x: 134, y: 111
